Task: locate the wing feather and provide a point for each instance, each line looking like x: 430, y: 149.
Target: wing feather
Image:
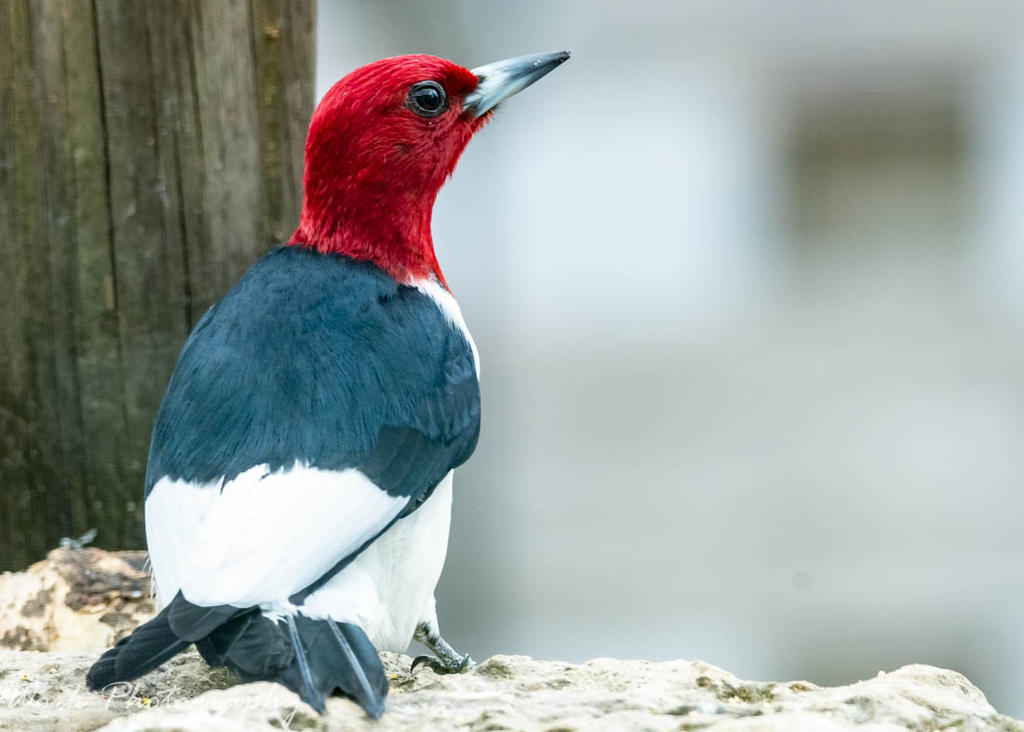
x: 311, y: 407
x: 265, y: 535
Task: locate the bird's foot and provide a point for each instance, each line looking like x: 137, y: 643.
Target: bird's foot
x: 445, y: 659
x: 439, y: 666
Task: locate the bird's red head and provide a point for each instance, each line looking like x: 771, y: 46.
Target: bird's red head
x: 381, y: 144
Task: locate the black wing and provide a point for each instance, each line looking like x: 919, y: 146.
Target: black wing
x: 325, y: 361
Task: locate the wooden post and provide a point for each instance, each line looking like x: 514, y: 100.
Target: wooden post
x: 149, y: 153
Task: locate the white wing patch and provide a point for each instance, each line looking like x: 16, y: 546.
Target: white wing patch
x: 261, y: 536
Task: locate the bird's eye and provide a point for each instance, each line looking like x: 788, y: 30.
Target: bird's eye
x: 427, y: 99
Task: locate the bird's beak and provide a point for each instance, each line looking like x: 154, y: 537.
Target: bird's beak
x: 500, y: 80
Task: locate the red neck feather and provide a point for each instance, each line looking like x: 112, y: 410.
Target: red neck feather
x: 374, y: 168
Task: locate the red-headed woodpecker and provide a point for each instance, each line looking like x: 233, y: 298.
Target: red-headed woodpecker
x: 299, y: 485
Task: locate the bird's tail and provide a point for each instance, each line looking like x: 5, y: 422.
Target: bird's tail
x: 147, y: 647
x: 311, y: 657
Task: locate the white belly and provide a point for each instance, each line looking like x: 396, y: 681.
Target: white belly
x: 389, y: 588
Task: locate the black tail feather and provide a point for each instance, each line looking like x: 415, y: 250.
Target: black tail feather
x: 336, y: 656
x: 146, y: 648
x: 356, y: 665
x: 192, y: 622
x: 313, y: 658
x: 251, y: 645
x: 315, y: 694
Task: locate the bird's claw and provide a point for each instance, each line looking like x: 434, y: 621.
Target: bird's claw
x: 458, y: 664
x: 422, y: 658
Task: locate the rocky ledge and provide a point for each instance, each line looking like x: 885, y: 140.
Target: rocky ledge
x: 57, y: 616
x: 45, y: 691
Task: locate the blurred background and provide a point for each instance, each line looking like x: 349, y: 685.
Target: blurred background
x: 747, y: 281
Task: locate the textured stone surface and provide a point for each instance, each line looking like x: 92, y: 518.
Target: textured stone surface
x: 45, y: 691
x: 74, y: 600
x: 85, y: 599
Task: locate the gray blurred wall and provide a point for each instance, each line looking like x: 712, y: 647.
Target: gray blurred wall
x: 747, y: 281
